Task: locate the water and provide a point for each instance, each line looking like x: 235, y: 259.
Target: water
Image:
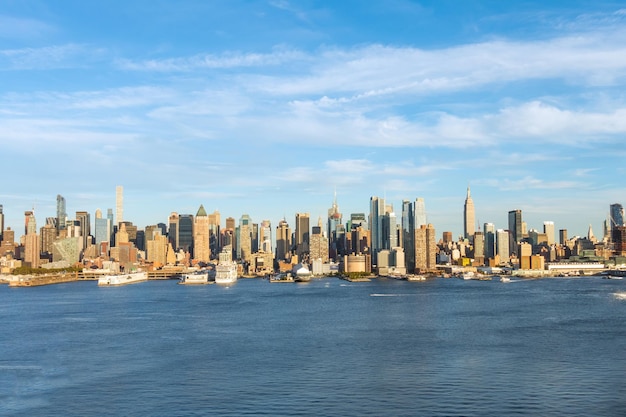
x: 444, y: 347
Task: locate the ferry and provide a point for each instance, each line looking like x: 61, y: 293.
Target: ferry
x: 195, y: 278
x: 226, y: 273
x: 122, y: 279
x: 302, y: 273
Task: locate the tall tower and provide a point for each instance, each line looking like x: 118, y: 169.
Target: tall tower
x: 172, y: 233
x: 502, y: 243
x: 303, y: 235
x: 334, y: 221
x: 408, y: 235
x: 515, y: 226
x: 31, y: 241
x: 84, y: 223
x: 377, y: 213
x: 548, y: 229
x: 265, y: 236
x: 185, y: 232
x: 201, y: 233
x: 489, y: 231
x: 1, y: 222
x: 119, y: 204
x: 283, y: 240
x: 469, y: 216
x: 243, y: 236
x: 616, y: 215
x: 420, y: 212
x: 61, y: 213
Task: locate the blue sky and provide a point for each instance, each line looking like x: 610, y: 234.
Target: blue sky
x: 268, y: 107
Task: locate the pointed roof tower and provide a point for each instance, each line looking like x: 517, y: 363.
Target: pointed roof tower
x: 201, y: 212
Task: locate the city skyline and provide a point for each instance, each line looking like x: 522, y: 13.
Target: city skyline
x: 267, y: 108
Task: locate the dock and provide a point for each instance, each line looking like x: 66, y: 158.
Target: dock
x: 38, y: 280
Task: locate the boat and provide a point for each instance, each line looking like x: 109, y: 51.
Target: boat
x: 301, y: 273
x: 416, y: 278
x: 226, y: 272
x: 505, y: 279
x: 122, y: 279
x: 468, y: 275
x: 195, y: 278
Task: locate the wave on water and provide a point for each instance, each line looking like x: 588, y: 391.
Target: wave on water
x: 391, y: 295
x: 620, y: 295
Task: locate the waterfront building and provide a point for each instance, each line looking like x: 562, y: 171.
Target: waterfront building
x: 302, y: 235
x: 619, y: 240
x: 61, y: 213
x: 283, y: 240
x: 185, y: 233
x: 516, y: 229
x: 201, y: 234
x: 469, y: 216
x: 548, y: 229
x: 119, y: 204
x: 172, y: 234
x: 157, y: 248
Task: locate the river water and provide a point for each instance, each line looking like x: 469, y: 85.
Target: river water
x: 444, y: 347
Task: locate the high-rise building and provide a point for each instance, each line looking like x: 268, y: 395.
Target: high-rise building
x: 185, y: 232
x: 562, y: 236
x: 469, y: 216
x: 616, y: 215
x: 201, y: 233
x: 214, y: 232
x: 119, y: 204
x: 84, y: 222
x: 377, y: 213
x: 1, y: 222
x: 265, y: 236
x: 489, y: 232
x: 283, y: 240
x: 548, y: 229
x: 61, y: 213
x: 103, y: 230
x: 48, y: 235
x: 408, y: 236
x: 319, y: 244
x: 334, y: 220
x: 302, y: 237
x: 502, y: 244
x: 516, y: 229
x: 420, y: 212
x: 112, y: 227
x: 172, y: 233
x: 31, y: 240
x: 243, y: 237
x: 479, y: 246
x: 425, y: 249
x: 390, y: 231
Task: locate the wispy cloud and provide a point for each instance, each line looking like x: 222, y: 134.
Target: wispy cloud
x: 12, y: 27
x: 48, y: 57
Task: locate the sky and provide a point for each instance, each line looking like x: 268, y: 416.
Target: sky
x: 270, y: 107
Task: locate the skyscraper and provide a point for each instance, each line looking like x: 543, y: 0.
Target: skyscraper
x: 265, y: 236
x: 469, y: 216
x: 390, y: 231
x: 172, y: 232
x: 377, y: 213
x: 548, y: 229
x: 201, y: 233
x: 1, y: 222
x: 502, y: 243
x: 425, y: 249
x: 334, y: 220
x: 61, y: 213
x: 84, y: 222
x: 489, y: 231
x: 515, y: 227
x: 283, y: 240
x: 420, y: 212
x: 119, y: 204
x: 303, y: 235
x: 243, y: 237
x: 616, y: 214
x: 408, y: 236
x: 31, y: 240
x: 103, y: 231
x: 185, y: 232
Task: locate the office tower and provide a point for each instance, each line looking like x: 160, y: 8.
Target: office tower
x: 84, y: 222
x: 103, y: 230
x: 283, y: 240
x: 201, y: 248
x: 112, y: 227
x: 425, y: 249
x: 265, y: 236
x: 479, y: 245
x: 446, y: 237
x: 377, y: 213
x: 157, y: 246
x: 619, y: 240
x: 185, y: 233
x: 48, y: 235
x: 121, y: 237
x: 548, y: 229
x: 334, y: 220
x: 214, y: 232
x: 516, y: 229
x: 243, y: 237
x: 489, y: 231
x: 502, y: 245
x: 61, y: 213
x: 319, y: 243
x: 408, y: 236
x: 254, y: 239
x: 119, y: 204
x: 31, y: 240
x: 420, y: 212
x: 302, y: 237
x: 1, y: 222
x: 469, y: 216
x: 390, y: 231
x: 616, y: 215
x: 562, y: 236
x: 172, y: 233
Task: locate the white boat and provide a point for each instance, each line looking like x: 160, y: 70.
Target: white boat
x: 505, y: 279
x: 416, y: 278
x: 226, y: 273
x: 468, y: 275
x: 122, y: 279
x: 195, y: 278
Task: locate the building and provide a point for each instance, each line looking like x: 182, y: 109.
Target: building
x: 377, y: 213
x: 215, y: 232
x: 503, y: 246
x: 390, y: 230
x: 616, y: 215
x: 562, y: 237
x: 334, y: 222
x: 319, y: 244
x: 243, y: 238
x: 185, y: 233
x: 265, y: 237
x: 157, y: 247
x: 103, y: 230
x: 283, y: 240
x: 61, y: 213
x: 425, y: 249
x: 31, y: 240
x: 469, y: 216
x: 548, y: 230
x: 516, y: 229
x: 302, y: 235
x: 172, y: 233
x: 119, y: 204
x: 408, y: 236
x: 1, y: 222
x: 84, y: 223
x: 489, y: 231
x: 201, y: 236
